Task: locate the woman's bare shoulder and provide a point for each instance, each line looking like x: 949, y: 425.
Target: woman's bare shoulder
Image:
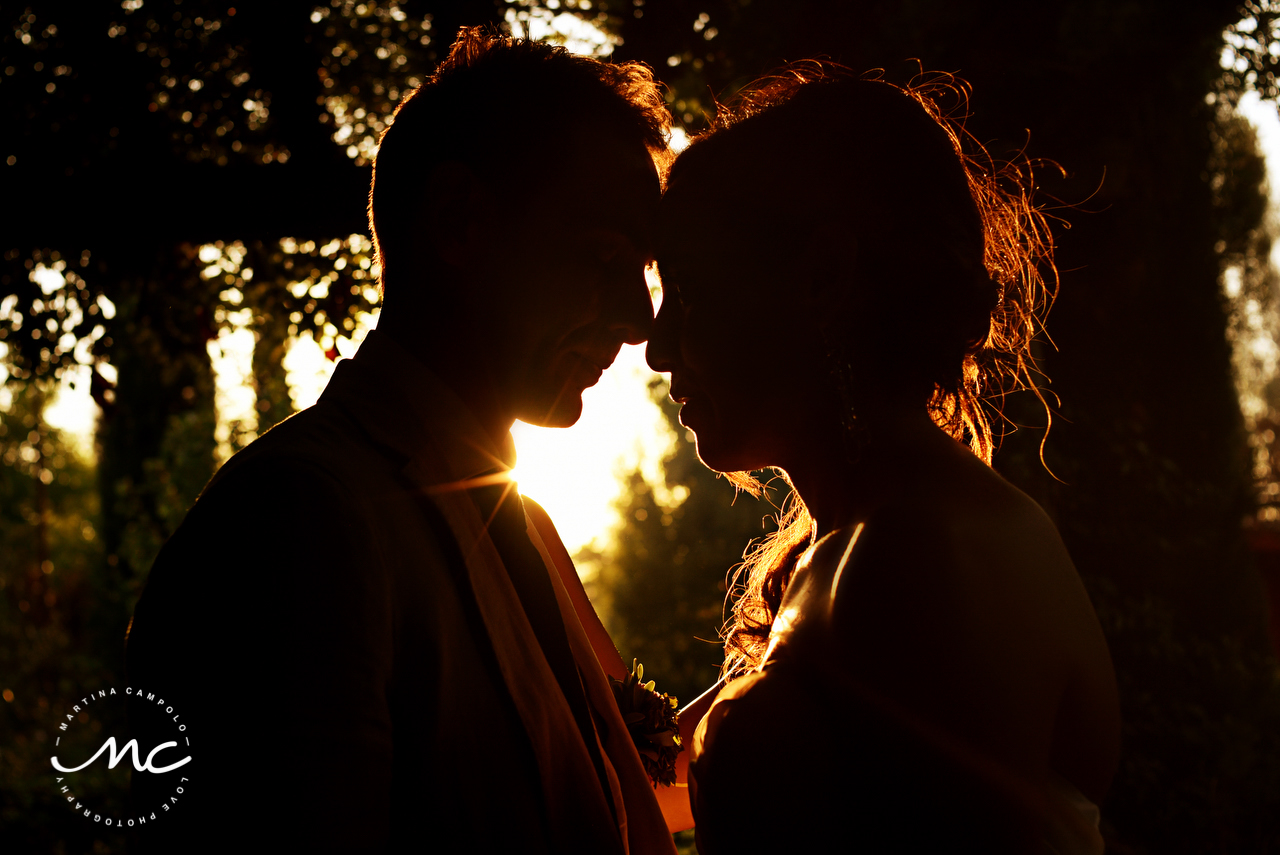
x: 962, y: 605
x: 970, y: 564
x: 969, y: 518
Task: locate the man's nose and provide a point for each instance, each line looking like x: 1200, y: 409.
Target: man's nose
x: 631, y: 313
x: 664, y: 339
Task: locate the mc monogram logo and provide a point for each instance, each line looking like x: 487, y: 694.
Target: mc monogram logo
x: 130, y: 746
x: 93, y: 727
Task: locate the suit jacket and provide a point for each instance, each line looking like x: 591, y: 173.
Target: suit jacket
x: 356, y: 669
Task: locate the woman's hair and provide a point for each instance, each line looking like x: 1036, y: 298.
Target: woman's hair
x: 952, y: 259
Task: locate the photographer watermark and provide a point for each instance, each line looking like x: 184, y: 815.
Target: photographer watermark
x: 93, y: 762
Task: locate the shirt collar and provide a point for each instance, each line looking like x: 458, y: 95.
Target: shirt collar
x: 403, y: 405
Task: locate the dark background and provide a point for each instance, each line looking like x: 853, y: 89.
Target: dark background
x: 116, y: 169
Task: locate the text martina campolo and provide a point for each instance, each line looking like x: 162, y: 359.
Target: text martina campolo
x: 116, y: 753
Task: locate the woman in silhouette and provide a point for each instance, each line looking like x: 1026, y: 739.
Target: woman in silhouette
x: 912, y: 663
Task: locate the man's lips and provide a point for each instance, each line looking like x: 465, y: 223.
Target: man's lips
x: 587, y: 370
x: 600, y: 359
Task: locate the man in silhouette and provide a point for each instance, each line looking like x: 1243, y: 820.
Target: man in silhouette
x: 375, y: 643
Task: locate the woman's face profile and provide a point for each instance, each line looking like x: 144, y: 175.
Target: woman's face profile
x: 733, y: 334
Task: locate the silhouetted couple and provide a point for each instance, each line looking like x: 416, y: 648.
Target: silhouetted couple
x: 379, y: 645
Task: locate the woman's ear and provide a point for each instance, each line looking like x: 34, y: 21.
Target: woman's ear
x: 829, y: 266
x: 457, y: 208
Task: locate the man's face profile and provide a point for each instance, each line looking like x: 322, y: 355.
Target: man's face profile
x: 565, y: 287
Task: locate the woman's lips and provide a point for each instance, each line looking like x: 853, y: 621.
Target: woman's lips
x: 681, y: 396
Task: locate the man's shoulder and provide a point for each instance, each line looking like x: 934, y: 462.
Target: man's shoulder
x: 322, y: 433
x: 299, y: 508
x: 317, y: 445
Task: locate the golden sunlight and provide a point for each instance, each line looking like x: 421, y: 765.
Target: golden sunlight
x: 1253, y: 324
x: 575, y: 472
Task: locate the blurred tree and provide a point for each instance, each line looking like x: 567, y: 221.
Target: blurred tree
x: 50, y: 551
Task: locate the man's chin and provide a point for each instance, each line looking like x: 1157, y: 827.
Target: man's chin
x: 558, y: 403
x: 561, y: 413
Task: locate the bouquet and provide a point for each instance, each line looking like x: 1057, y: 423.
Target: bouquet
x: 653, y: 723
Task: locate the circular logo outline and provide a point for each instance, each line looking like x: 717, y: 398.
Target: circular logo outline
x: 115, y: 754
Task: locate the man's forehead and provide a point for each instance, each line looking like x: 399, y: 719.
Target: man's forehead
x: 613, y: 178
x: 591, y: 141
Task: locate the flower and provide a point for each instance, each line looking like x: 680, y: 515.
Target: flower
x: 653, y: 722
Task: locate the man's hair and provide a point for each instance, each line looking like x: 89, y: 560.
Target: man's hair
x: 504, y: 107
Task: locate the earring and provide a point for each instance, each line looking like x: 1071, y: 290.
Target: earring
x: 840, y: 371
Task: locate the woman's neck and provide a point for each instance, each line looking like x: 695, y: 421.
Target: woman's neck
x: 894, y: 452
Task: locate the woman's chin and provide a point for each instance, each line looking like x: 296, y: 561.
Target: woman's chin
x: 717, y: 457
x: 718, y: 450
